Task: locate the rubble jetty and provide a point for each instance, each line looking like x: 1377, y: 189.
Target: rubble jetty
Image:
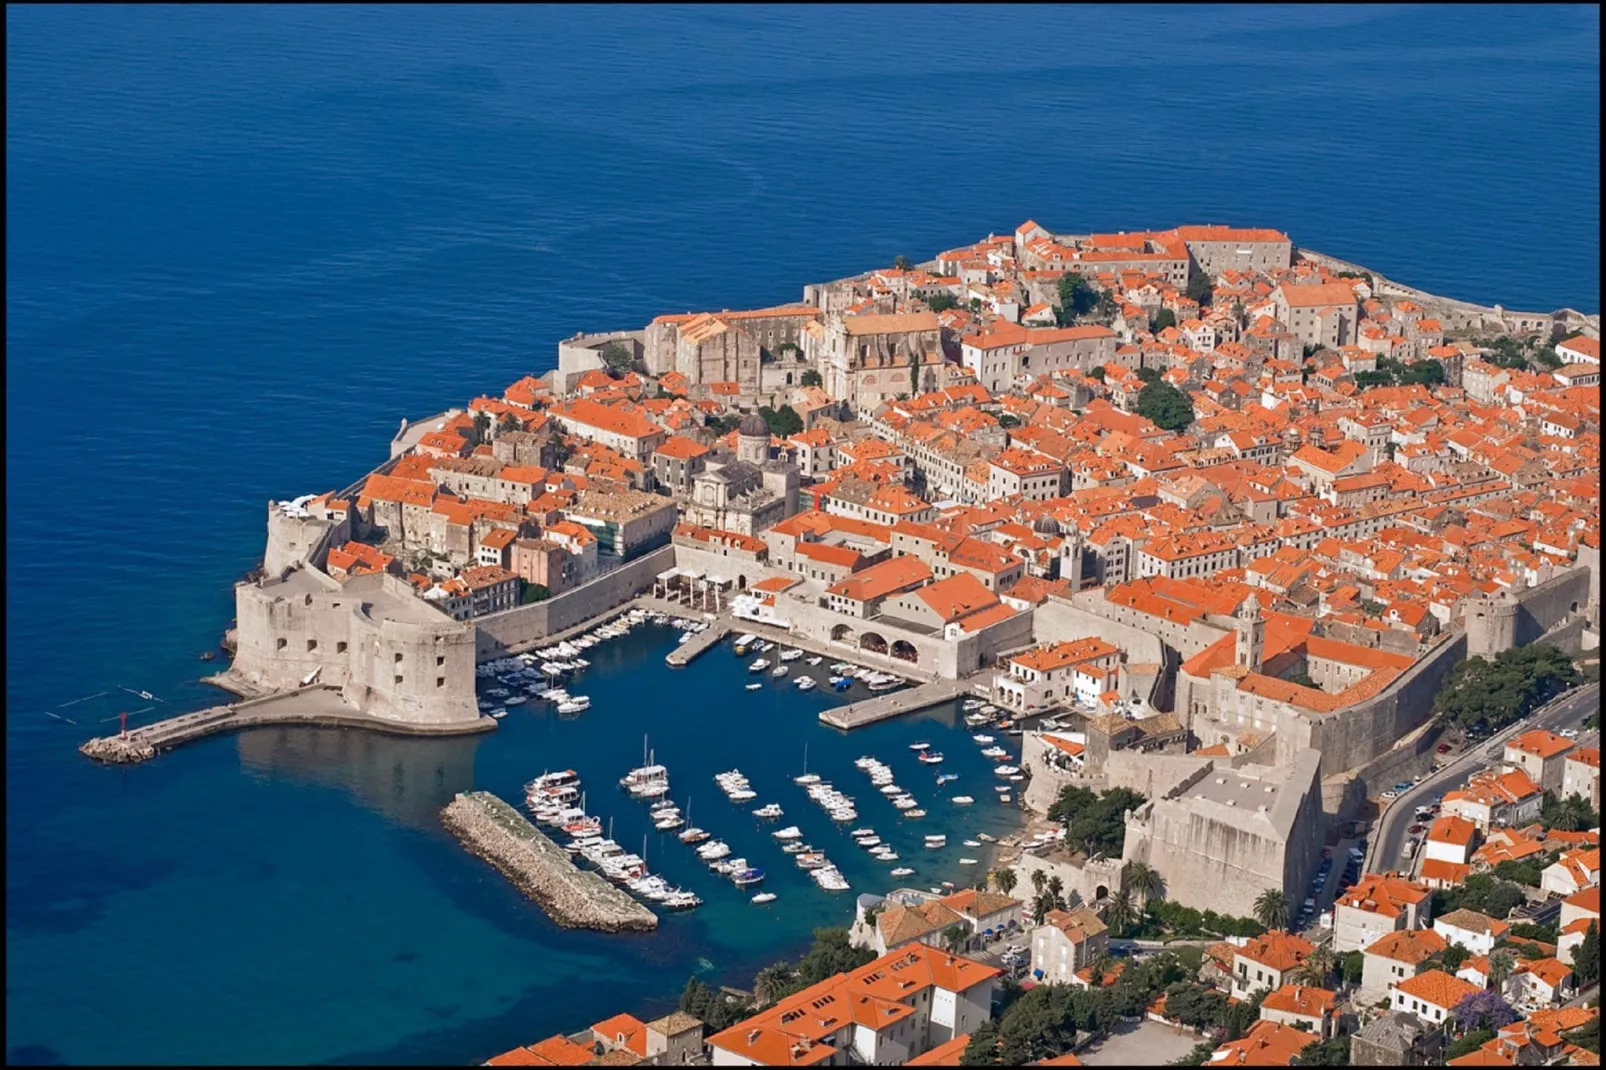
x: 543, y: 871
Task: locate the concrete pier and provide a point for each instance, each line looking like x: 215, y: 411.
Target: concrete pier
x: 543, y: 871
x: 686, y: 652
x: 859, y: 714
x: 315, y: 705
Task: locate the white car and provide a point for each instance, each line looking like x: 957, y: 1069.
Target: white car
x: 1568, y: 733
x: 1408, y: 849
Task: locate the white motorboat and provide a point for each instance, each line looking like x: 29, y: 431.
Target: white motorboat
x: 982, y: 737
x: 682, y: 901
x: 902, y: 871
x: 708, y: 852
x: 1007, y: 770
x: 754, y: 687
x: 930, y: 757
x: 815, y: 660
x: 866, y: 831
x: 917, y: 812
x: 764, y: 897
x: 887, y: 855
x: 499, y: 713
x: 759, y: 665
x: 938, y: 839
x: 995, y: 752
x: 963, y: 800
x: 577, y: 704
x: 986, y: 838
x: 743, y: 795
x: 806, y: 779
x: 905, y: 802
x: 693, y: 835
x: 967, y: 861
x: 891, y: 789
x: 1004, y: 798
x: 668, y: 821
x: 769, y: 810
x: 791, y: 832
x: 791, y: 655
x: 805, y: 683
x: 919, y: 746
x: 869, y: 841
x: 780, y: 670
x: 971, y: 704
x: 972, y: 843
x: 810, y: 860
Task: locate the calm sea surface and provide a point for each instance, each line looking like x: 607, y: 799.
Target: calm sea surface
x: 242, y: 243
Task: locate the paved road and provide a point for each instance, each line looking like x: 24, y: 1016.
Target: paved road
x: 1384, y: 852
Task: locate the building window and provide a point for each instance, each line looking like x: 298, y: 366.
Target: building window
x: 340, y: 647
x: 440, y: 681
x: 398, y: 658
x: 312, y: 644
x: 398, y: 678
x: 281, y: 644
x: 440, y: 659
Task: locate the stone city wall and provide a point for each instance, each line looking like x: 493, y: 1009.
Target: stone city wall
x: 499, y: 632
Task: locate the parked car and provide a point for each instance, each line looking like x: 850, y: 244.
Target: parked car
x: 1444, y: 748
x: 1392, y: 793
x: 1568, y: 733
x: 1417, y: 830
x: 1409, y: 848
x: 1326, y: 920
x: 1402, y: 785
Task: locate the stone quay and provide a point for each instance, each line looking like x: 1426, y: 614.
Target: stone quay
x: 543, y: 871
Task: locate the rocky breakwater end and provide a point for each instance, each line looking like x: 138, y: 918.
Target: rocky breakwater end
x: 543, y: 871
x: 117, y: 749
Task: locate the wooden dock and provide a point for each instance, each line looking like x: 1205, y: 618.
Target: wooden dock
x: 859, y: 714
x: 688, y: 651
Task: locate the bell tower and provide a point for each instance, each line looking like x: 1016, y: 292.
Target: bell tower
x: 1251, y: 628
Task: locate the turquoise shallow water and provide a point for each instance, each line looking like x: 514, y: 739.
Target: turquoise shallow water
x: 242, y: 242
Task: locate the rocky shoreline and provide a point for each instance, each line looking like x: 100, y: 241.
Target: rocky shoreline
x: 117, y: 749
x: 543, y: 871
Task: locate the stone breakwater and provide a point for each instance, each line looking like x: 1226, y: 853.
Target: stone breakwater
x: 117, y: 749
x: 543, y: 871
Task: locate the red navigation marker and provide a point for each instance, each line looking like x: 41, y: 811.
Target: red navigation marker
x: 123, y: 717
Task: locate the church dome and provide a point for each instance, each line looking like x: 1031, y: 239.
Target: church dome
x: 1046, y: 525
x: 753, y: 426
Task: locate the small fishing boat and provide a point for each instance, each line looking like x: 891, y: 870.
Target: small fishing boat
x: 499, y: 713
x: 943, y: 778
x: 791, y: 655
x: 780, y: 670
x: 810, y: 860
x: 963, y: 800
x: 967, y: 861
x: 815, y: 660
x: 986, y: 838
x: 930, y: 758
x: 764, y: 897
x: 793, y: 847
x: 919, y: 746
x: 746, y: 877
x: 694, y: 835
x: 972, y: 843
x: 841, y: 683
x: 682, y: 901
x: 1007, y: 770
x: 902, y: 871
x: 754, y: 687
x: 759, y: 665
x: 769, y: 810
x: 982, y: 737
x: 806, y: 683
x: 791, y: 832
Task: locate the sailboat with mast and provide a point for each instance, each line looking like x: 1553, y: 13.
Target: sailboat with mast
x: 807, y: 777
x: 649, y: 780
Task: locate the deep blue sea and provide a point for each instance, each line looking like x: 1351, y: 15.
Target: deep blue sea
x: 243, y: 242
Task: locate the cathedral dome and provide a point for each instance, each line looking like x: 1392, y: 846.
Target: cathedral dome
x: 1046, y: 525
x: 753, y: 426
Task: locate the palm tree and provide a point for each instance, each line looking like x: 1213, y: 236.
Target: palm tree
x: 1501, y: 963
x: 1005, y: 879
x: 482, y: 426
x: 1055, y: 888
x: 771, y: 981
x: 954, y: 936
x: 1143, y: 879
x: 1318, y: 965
x: 1100, y: 965
x: 1120, y: 912
x: 1271, y: 908
x: 1039, y: 878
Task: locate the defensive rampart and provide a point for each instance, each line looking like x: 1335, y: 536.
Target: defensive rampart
x: 500, y: 632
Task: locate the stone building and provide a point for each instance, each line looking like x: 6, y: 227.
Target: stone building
x: 1323, y: 314
x: 391, y: 655
x: 1224, y: 835
x: 627, y: 523
x: 1066, y: 942
x: 867, y: 359
x: 544, y: 562
x: 745, y: 493
x: 725, y: 346
x: 1397, y: 1039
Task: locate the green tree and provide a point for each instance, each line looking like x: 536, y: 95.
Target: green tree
x: 1077, y: 298
x: 1480, y: 692
x: 1163, y: 319
x: 532, y: 592
x: 1094, y: 823
x: 1005, y: 880
x: 1120, y: 913
x: 900, y: 262
x: 982, y: 1050
x: 1452, y: 957
x: 811, y: 378
x: 1586, y: 1036
x: 1165, y: 406
x: 725, y: 424
x: 942, y: 302
x: 1351, y: 964
x: 1200, y: 289
x: 1271, y: 908
x: 954, y: 938
x: 783, y: 422
x: 482, y: 427
x: 1144, y: 880
x: 1586, y: 959
x: 771, y: 980
x: 1501, y: 963
x: 1039, y: 879
x: 1570, y: 814
x: 509, y: 422
x: 1199, y: 1055
x: 618, y: 358
x: 1334, y: 1052
x: 914, y: 374
x: 1318, y: 965
x: 1149, y: 375
x: 1007, y: 420
x: 1096, y: 372
x: 1056, y: 888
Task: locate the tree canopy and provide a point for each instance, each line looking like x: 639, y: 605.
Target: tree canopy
x: 811, y: 378
x: 1479, y: 692
x: 1391, y: 372
x: 1482, y: 892
x: 783, y: 421
x: 1166, y: 406
x: 1077, y: 298
x: 618, y: 358
x: 1094, y: 823
x: 1162, y: 319
x: 1200, y: 289
x: 942, y: 302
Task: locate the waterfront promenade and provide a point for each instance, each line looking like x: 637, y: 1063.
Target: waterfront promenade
x: 314, y: 705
